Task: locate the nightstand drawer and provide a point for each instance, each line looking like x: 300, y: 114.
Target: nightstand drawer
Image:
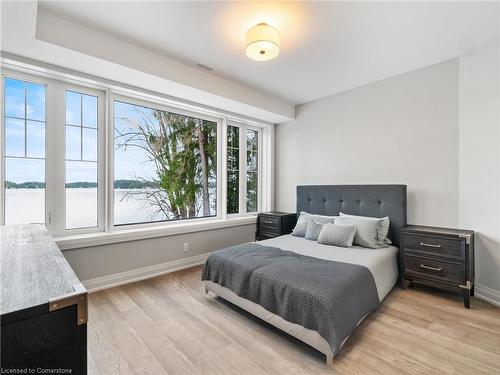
x: 442, y: 246
x: 269, y: 221
x: 435, y: 269
x: 268, y: 233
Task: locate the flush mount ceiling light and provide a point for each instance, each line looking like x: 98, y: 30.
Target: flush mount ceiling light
x: 262, y: 42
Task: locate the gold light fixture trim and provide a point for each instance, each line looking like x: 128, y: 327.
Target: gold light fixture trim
x: 262, y: 42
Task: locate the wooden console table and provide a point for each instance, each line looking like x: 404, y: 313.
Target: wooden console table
x: 43, y: 304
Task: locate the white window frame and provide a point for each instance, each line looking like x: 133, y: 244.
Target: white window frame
x: 107, y: 91
x: 60, y: 135
x: 242, y: 189
x: 157, y: 105
x: 48, y: 120
x: 55, y: 143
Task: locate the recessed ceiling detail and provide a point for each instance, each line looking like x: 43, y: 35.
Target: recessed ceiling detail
x: 325, y: 47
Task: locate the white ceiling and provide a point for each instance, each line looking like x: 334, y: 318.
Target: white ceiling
x: 327, y: 47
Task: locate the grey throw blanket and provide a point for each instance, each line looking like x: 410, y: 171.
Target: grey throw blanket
x: 326, y: 296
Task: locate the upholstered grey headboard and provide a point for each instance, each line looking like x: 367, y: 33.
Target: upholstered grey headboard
x: 364, y: 200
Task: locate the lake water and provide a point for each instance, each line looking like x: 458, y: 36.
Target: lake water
x: 28, y: 206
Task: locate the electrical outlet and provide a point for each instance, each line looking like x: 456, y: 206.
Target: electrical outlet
x: 186, y: 246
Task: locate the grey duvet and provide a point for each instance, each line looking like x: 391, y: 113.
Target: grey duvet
x: 326, y: 296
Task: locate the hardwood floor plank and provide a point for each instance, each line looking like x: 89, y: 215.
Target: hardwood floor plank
x: 168, y: 325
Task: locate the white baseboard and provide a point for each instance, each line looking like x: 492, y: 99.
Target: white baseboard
x: 487, y: 294
x: 99, y: 283
x: 138, y: 274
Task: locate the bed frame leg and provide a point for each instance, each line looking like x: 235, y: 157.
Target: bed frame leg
x: 206, y: 290
x: 329, y: 360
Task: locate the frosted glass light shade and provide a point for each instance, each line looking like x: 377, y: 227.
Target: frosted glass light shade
x: 262, y: 42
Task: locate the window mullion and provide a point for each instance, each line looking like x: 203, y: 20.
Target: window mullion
x: 243, y: 170
x: 260, y: 159
x: 222, y: 170
x: 110, y: 174
x: 54, y: 167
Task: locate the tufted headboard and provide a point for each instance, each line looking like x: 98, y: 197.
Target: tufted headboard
x: 364, y: 200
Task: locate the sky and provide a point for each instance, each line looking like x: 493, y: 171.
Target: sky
x: 25, y: 136
x: 132, y: 162
x: 24, y: 109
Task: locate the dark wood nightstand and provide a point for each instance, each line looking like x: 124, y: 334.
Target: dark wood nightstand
x: 274, y: 224
x: 440, y: 257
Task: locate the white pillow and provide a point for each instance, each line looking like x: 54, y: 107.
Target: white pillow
x: 366, y: 231
x: 383, y: 229
x: 337, y: 235
x: 304, y: 218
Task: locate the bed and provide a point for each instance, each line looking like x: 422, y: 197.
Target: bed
x: 281, y: 257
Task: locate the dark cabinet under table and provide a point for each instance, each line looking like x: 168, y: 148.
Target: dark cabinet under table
x: 439, y: 257
x: 43, y: 306
x: 273, y: 224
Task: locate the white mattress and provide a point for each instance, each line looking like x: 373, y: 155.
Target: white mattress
x: 382, y: 263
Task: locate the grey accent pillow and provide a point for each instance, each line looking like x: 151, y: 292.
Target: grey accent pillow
x: 366, y: 231
x: 337, y: 235
x: 313, y: 230
x: 301, y: 226
x: 383, y: 229
x: 304, y: 218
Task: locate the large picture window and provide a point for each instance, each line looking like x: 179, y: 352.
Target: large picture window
x: 153, y: 161
x: 165, y: 165
x: 24, y: 156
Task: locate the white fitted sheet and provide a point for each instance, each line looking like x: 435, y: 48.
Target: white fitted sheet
x: 382, y: 262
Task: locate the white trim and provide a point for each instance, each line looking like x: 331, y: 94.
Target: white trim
x: 60, y: 146
x: 242, y: 169
x: 138, y: 274
x: 487, y: 294
x: 110, y: 162
x: 222, y: 177
x: 145, y: 232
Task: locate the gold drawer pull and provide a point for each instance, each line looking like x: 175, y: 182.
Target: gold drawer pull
x: 431, y: 268
x: 430, y: 245
x: 268, y: 222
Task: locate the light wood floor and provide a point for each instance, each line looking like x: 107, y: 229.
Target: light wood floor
x: 167, y: 325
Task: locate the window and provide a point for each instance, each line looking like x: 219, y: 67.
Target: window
x: 165, y: 165
x: 81, y: 160
x: 233, y: 169
x: 24, y: 156
x: 242, y: 162
x: 162, y: 164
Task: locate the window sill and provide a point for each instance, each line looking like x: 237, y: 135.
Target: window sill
x: 171, y: 229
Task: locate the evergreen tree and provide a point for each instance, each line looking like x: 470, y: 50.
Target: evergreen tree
x: 183, y: 150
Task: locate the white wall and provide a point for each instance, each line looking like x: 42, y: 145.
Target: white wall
x: 400, y: 130
x: 479, y: 173
x: 106, y: 260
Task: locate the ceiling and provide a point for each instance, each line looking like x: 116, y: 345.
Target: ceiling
x: 326, y: 47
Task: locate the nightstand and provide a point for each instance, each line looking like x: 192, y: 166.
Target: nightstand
x: 274, y: 224
x: 439, y: 257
